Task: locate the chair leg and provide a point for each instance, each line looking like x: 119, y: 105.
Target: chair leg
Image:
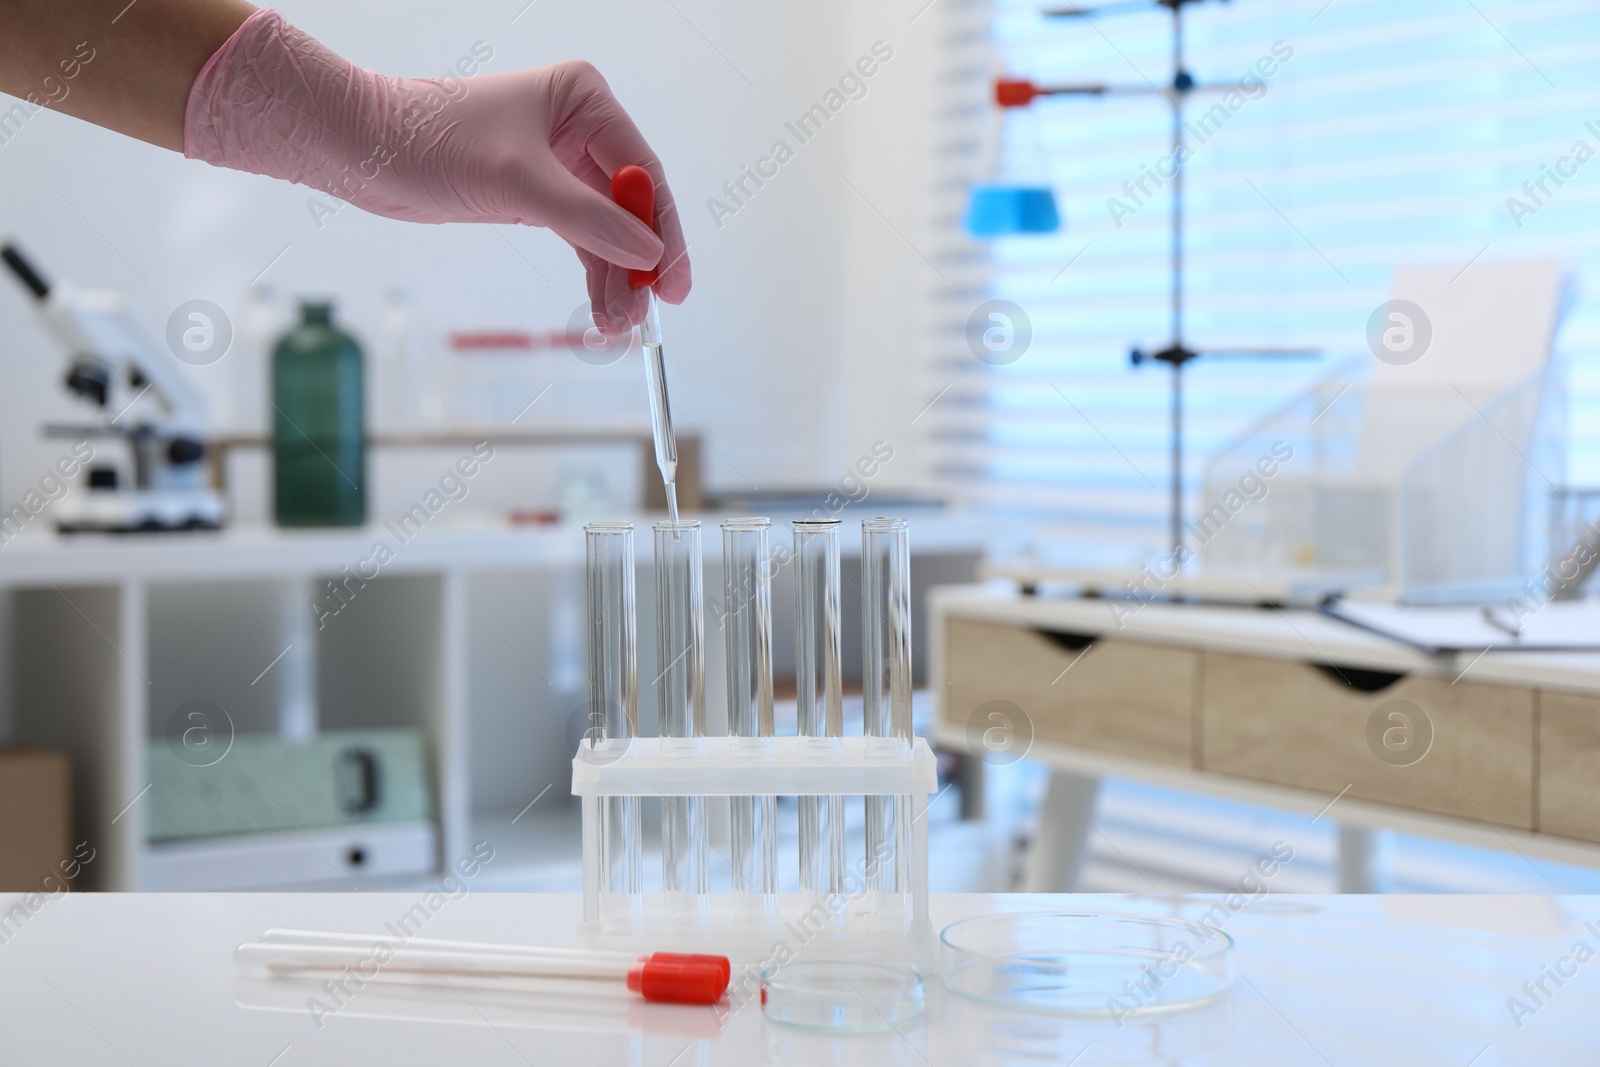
x: 1362, y: 863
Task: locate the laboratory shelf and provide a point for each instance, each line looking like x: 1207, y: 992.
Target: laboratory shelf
x: 105, y: 635
x: 108, y: 633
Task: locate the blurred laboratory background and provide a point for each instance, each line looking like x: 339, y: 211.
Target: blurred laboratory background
x: 1234, y: 364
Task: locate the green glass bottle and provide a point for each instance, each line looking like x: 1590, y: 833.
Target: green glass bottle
x: 318, y: 428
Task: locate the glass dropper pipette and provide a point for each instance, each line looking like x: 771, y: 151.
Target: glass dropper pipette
x: 655, y: 376
x: 633, y: 189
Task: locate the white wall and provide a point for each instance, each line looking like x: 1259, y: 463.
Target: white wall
x: 796, y: 351
x: 791, y: 354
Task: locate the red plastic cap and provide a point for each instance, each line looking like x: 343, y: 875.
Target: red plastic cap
x: 634, y: 191
x: 677, y: 981
x: 720, y: 962
x: 1015, y: 92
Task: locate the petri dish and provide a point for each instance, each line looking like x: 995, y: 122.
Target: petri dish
x: 842, y: 997
x: 1086, y: 964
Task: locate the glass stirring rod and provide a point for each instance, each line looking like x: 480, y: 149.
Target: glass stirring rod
x: 633, y: 189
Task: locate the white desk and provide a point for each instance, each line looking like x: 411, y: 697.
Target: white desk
x: 143, y: 979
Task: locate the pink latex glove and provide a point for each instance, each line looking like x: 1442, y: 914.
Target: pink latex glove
x: 535, y: 147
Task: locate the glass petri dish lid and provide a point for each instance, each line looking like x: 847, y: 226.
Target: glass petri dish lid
x: 1086, y: 964
x: 842, y: 997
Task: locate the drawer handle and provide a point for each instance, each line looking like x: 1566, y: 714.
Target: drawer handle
x: 1359, y: 678
x: 1068, y: 640
x: 356, y: 779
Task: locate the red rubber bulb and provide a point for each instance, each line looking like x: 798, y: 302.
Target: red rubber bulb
x: 1015, y: 92
x: 634, y: 191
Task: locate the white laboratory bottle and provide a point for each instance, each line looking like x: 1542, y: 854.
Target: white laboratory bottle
x: 266, y: 318
x: 407, y: 391
x: 389, y: 381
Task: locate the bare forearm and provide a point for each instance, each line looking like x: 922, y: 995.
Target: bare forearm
x: 127, y: 67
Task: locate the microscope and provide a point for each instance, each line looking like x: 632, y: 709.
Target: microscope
x: 142, y: 397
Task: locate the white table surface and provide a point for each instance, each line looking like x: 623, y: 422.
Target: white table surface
x: 147, y: 979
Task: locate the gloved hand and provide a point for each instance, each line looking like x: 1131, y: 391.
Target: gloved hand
x: 535, y: 147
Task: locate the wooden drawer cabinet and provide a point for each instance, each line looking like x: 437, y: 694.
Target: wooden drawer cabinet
x: 1106, y: 694
x: 1293, y: 724
x: 1569, y: 765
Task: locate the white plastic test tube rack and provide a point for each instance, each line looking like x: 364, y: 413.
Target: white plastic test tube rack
x: 859, y: 898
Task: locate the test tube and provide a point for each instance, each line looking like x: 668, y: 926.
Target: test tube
x: 680, y: 697
x: 747, y: 632
x: 886, y: 685
x: 613, y: 714
x: 818, y: 700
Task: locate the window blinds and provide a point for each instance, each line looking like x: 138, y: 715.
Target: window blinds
x: 1386, y: 134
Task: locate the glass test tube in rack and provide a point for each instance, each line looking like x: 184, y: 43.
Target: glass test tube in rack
x: 747, y: 631
x: 681, y: 703
x: 886, y: 686
x: 613, y: 716
x: 819, y: 695
x: 879, y: 890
